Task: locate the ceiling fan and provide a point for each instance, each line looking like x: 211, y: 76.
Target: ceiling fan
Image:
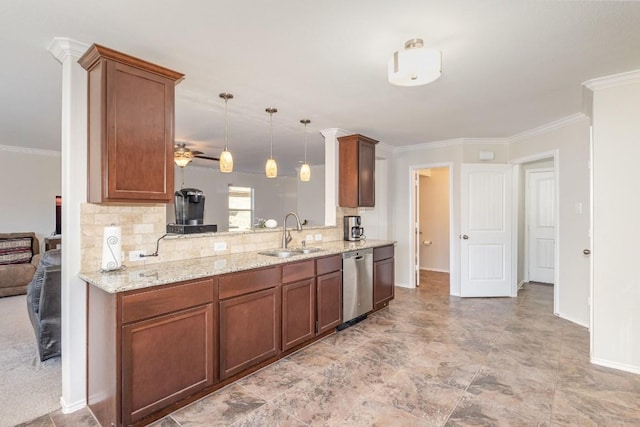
x: 182, y: 155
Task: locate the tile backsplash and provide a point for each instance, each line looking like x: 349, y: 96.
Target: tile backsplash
x: 142, y: 225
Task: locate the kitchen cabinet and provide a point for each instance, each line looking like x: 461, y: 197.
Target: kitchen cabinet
x: 383, y: 276
x: 131, y: 128
x: 356, y: 180
x: 136, y: 338
x: 298, y: 303
x: 328, y: 293
x: 249, y: 319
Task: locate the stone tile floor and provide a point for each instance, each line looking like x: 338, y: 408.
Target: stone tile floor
x: 429, y: 359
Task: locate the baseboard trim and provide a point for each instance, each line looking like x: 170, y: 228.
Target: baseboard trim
x: 69, y: 408
x: 570, y: 319
x: 403, y: 285
x: 616, y: 365
x: 434, y: 269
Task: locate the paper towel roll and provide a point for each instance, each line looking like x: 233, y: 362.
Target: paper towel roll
x: 111, y: 248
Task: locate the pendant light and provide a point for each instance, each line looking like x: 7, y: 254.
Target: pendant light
x: 271, y: 168
x: 226, y: 159
x: 305, y: 170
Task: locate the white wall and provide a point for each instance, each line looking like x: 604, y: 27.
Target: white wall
x: 420, y: 157
x: 616, y: 209
x: 30, y: 183
x: 273, y: 197
x: 434, y: 220
x: 571, y: 140
x: 310, y: 197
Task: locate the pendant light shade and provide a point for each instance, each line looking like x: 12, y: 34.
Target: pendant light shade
x: 305, y: 172
x: 271, y: 168
x: 226, y: 159
x: 415, y: 65
x: 305, y: 169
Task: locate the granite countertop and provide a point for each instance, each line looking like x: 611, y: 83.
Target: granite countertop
x: 177, y: 271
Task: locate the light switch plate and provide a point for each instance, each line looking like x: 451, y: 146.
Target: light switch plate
x: 318, y: 236
x: 309, y: 237
x: 220, y: 246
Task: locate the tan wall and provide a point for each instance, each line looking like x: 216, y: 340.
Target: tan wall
x: 434, y: 220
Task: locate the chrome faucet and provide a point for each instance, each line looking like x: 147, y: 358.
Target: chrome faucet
x: 286, y: 235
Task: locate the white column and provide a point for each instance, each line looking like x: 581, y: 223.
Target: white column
x: 74, y: 193
x: 331, y: 154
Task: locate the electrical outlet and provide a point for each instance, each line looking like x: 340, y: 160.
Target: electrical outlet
x: 220, y: 246
x: 135, y: 255
x: 309, y: 237
x: 318, y: 236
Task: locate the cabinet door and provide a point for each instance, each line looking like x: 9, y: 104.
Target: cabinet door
x: 329, y: 290
x: 298, y: 313
x: 383, y: 281
x: 366, y: 174
x: 139, y: 150
x: 249, y: 330
x: 165, y: 359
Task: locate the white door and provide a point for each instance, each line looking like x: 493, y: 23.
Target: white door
x: 485, y: 243
x: 541, y: 224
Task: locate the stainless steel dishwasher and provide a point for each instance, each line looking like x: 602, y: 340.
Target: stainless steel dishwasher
x: 357, y: 285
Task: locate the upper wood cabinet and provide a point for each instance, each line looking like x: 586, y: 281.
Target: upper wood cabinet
x: 357, y: 171
x: 131, y: 127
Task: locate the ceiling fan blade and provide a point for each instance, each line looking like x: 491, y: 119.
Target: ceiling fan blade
x: 196, y: 153
x: 215, y: 159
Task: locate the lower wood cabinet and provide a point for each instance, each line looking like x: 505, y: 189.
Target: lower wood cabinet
x: 298, y: 313
x: 383, y: 276
x: 180, y: 344
x: 312, y: 303
x: 249, y: 330
x: 249, y: 322
x: 149, y: 348
x: 329, y: 297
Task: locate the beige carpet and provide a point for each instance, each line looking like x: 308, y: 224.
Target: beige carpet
x: 28, y: 388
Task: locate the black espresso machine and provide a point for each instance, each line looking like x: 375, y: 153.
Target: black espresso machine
x: 189, y: 206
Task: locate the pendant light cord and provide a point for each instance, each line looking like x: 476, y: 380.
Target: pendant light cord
x: 226, y: 124
x: 271, y: 134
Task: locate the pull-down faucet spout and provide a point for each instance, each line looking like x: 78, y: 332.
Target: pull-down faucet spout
x: 286, y: 235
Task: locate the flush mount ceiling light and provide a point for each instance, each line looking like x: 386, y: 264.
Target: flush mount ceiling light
x: 271, y: 168
x: 305, y: 170
x: 415, y: 65
x: 226, y: 159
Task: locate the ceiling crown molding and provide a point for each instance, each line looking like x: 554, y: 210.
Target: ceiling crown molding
x: 429, y: 145
x: 62, y: 47
x: 25, y: 150
x: 337, y: 132
x: 612, y: 81
x: 566, y: 121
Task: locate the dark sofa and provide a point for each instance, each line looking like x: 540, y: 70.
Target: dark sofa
x: 44, y: 303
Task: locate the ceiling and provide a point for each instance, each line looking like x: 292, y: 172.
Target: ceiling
x: 508, y: 66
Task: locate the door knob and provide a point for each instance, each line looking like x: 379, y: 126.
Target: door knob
x: 586, y: 251
x: 464, y: 236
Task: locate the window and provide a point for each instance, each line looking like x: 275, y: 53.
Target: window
x: 240, y: 208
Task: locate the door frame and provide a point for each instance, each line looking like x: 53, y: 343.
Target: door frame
x: 414, y: 219
x: 555, y: 155
x: 527, y: 220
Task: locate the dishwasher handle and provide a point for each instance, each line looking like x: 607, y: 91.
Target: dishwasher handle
x: 359, y: 258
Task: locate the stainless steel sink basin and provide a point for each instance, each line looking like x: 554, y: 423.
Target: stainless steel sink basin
x: 286, y: 253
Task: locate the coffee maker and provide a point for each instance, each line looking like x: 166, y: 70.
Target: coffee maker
x: 189, y: 207
x: 352, y: 228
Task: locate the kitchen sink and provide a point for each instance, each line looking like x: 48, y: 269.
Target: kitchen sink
x: 286, y: 253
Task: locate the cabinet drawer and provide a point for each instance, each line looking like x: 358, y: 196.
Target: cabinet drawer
x: 328, y: 264
x: 298, y: 271
x: 382, y: 253
x: 249, y: 281
x: 156, y: 302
